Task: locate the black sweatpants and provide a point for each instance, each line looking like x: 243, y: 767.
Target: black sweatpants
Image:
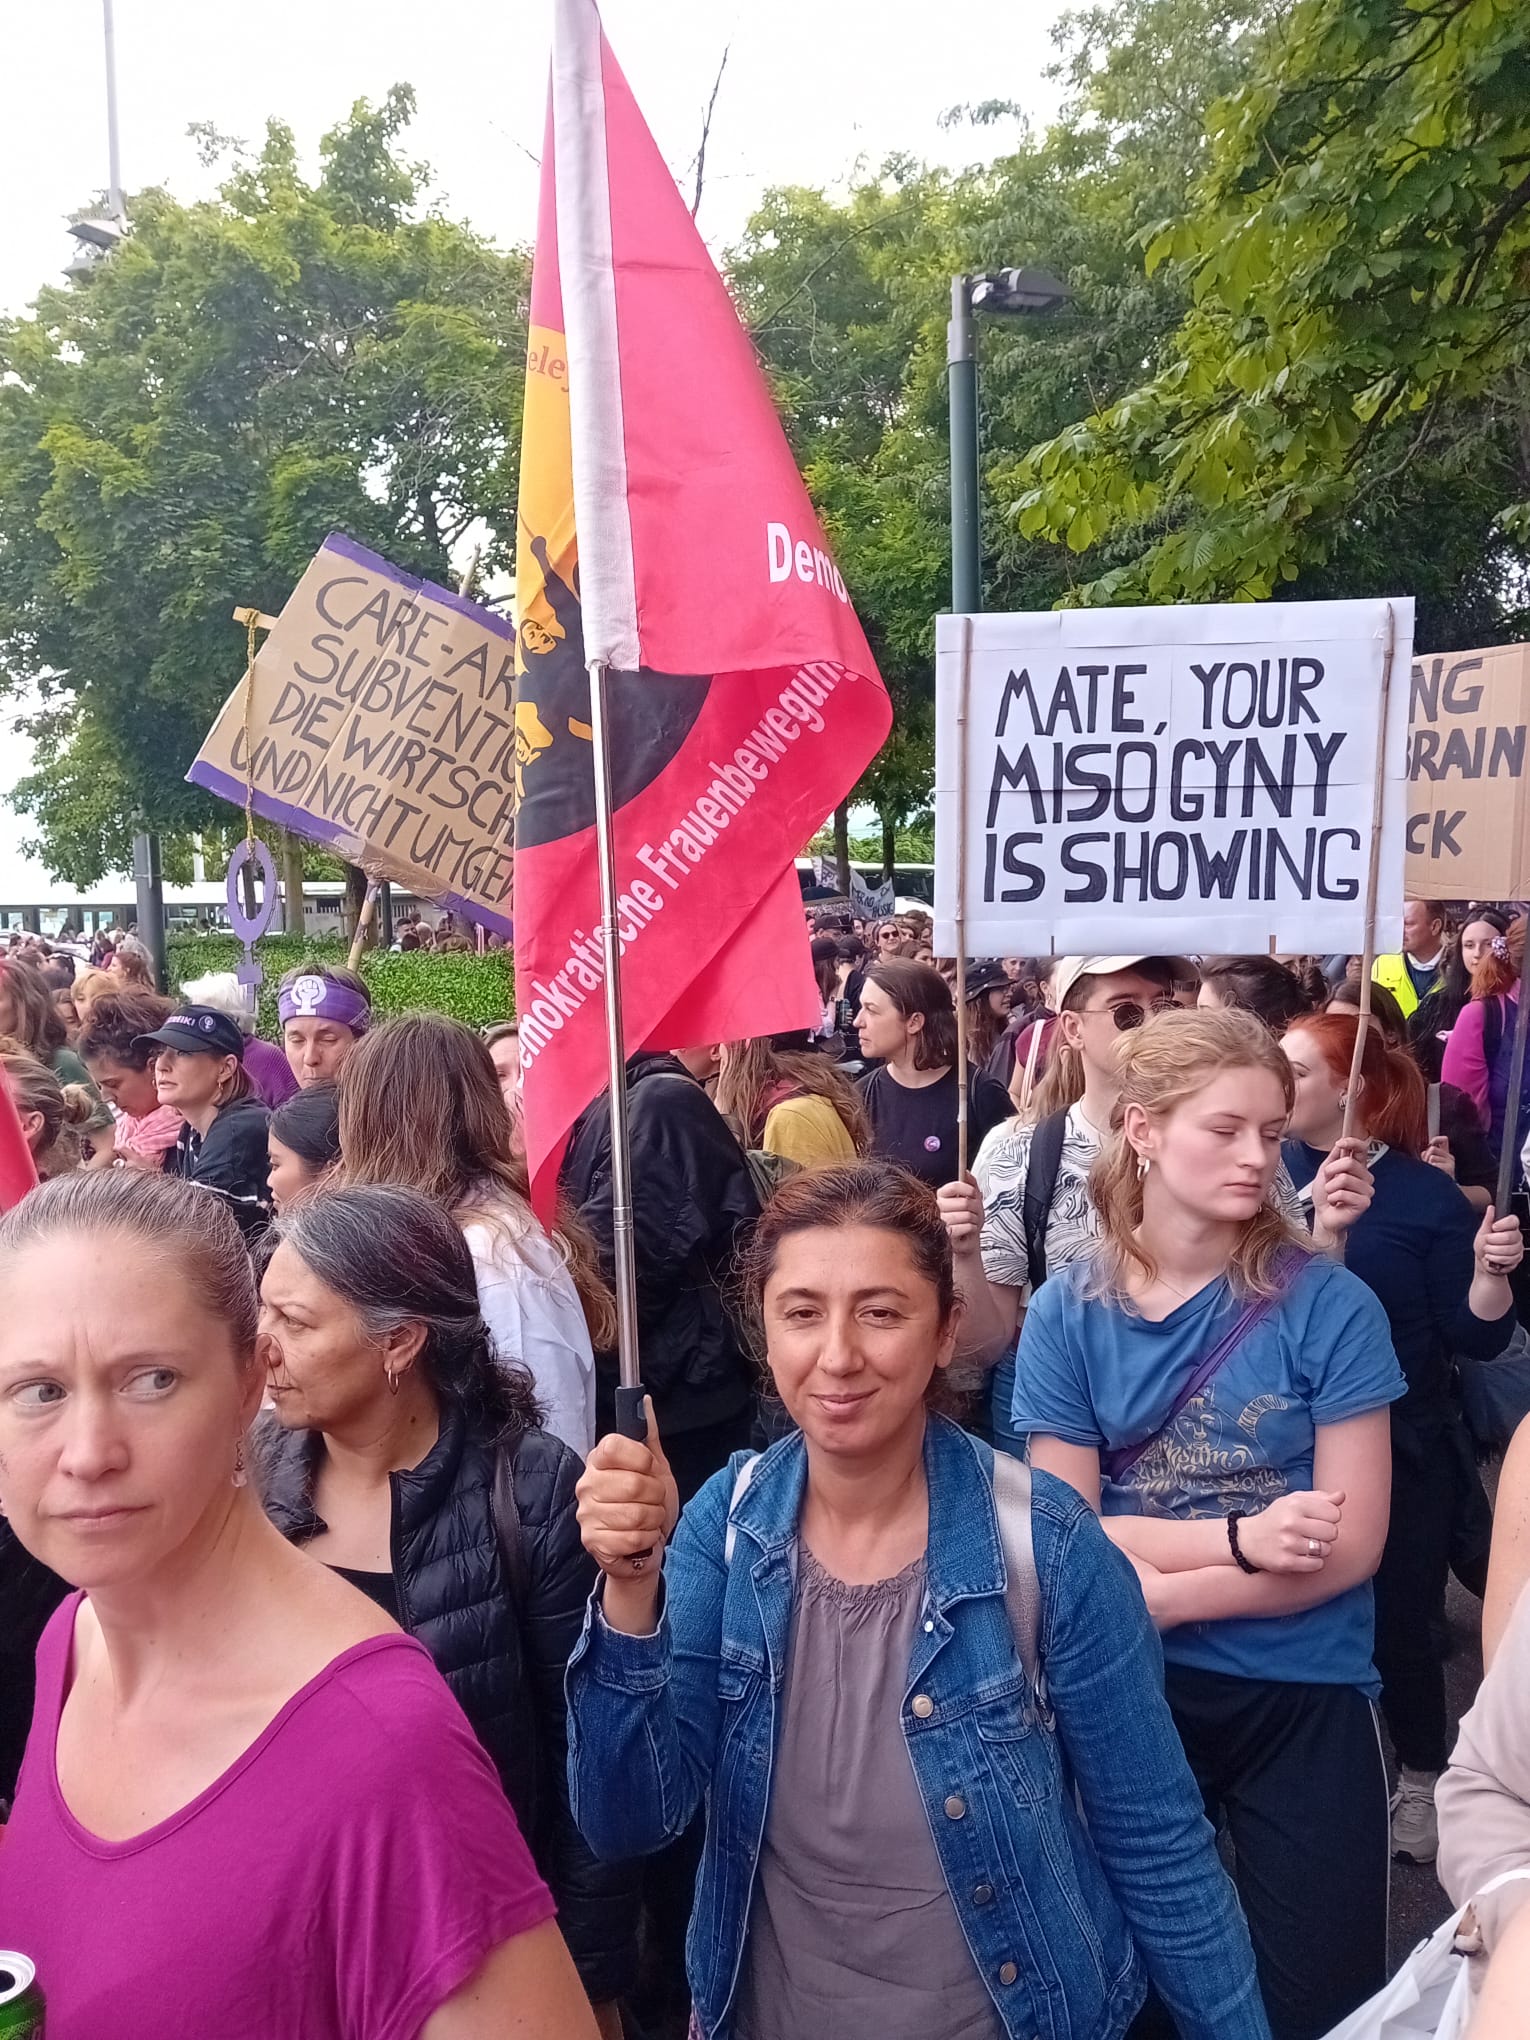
x: 1295, y: 1773
x: 1410, y: 1604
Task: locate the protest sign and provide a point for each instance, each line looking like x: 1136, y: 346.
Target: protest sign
x: 1466, y: 837
x: 1170, y: 779
x: 381, y: 724
x: 872, y: 902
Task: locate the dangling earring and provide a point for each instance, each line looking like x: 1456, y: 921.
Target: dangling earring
x: 1143, y: 1165
x: 241, y: 1476
x: 392, y: 1380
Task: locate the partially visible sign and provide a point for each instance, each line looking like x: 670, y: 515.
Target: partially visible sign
x: 1184, y: 779
x: 383, y: 726
x: 872, y: 902
x: 1466, y: 776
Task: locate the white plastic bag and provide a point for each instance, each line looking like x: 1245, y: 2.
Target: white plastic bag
x: 1430, y: 1997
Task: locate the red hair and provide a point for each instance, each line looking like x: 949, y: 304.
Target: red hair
x: 1392, y: 1105
x: 1497, y: 975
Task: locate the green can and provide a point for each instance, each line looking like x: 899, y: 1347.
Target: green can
x: 21, y: 2000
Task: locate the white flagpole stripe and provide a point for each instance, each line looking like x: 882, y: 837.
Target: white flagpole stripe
x: 607, y: 585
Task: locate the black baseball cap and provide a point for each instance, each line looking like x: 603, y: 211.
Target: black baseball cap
x: 198, y: 1030
x: 985, y: 976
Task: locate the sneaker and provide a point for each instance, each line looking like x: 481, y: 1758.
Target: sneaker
x: 1415, y: 1827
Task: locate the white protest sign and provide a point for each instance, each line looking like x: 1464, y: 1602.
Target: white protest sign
x: 1172, y: 780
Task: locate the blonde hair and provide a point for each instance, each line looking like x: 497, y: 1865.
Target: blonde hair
x: 64, y: 1109
x: 90, y: 985
x: 1165, y: 1063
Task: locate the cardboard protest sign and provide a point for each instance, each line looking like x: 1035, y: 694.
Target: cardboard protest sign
x: 383, y: 726
x: 1176, y: 780
x: 1466, y: 835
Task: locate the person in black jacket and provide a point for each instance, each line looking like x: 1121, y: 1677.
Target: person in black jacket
x: 199, y: 1070
x: 409, y: 1457
x: 694, y: 1202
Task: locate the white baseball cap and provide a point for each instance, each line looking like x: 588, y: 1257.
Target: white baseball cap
x: 1071, y: 968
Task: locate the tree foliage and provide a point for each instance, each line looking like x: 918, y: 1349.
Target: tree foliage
x: 1344, y: 404
x: 179, y: 432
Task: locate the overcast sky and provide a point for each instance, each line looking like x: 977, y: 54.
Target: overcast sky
x: 812, y: 88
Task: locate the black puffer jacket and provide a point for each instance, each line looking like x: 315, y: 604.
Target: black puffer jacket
x: 694, y: 1202
x: 504, y: 1663
x: 29, y: 1593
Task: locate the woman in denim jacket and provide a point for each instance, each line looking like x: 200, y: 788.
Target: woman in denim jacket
x: 904, y: 1841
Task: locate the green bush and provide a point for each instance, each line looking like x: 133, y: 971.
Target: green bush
x: 472, y: 988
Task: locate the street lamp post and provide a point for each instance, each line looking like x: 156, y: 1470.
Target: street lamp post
x: 1008, y: 293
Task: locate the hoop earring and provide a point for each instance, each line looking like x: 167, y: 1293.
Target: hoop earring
x: 1143, y: 1165
x: 241, y: 1472
x: 392, y: 1380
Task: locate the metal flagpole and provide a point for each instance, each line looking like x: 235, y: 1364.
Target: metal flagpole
x: 1373, y: 875
x: 963, y: 695
x: 630, y: 1420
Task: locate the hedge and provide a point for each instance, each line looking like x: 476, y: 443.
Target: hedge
x: 477, y: 989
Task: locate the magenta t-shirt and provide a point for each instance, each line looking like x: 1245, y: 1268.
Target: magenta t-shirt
x: 342, y: 1879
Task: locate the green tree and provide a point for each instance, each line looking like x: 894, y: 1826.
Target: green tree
x: 179, y: 432
x: 1344, y: 407
x: 848, y: 301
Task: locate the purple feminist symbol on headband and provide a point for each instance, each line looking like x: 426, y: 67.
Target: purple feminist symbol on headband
x: 250, y: 928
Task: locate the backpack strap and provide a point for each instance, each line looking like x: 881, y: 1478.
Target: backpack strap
x: 1022, y: 1584
x: 507, y: 1529
x: 1492, y: 1028
x: 741, y: 1481
x: 1041, y: 1169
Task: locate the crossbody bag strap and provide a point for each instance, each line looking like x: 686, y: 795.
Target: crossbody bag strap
x: 1120, y: 1463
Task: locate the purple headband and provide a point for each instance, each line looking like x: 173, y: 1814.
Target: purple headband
x: 312, y: 997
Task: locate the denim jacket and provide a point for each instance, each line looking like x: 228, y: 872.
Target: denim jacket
x: 1055, y: 1915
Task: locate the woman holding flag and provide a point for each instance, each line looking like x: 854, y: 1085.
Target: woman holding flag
x: 944, y: 1797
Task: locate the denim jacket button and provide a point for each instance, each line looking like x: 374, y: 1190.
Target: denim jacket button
x: 1007, y: 1972
x: 982, y: 1894
x: 956, y: 1806
x: 923, y: 1706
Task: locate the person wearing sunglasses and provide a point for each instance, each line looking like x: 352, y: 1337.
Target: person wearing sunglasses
x: 1026, y: 1210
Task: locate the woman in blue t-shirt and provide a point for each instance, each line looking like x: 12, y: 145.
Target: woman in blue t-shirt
x: 1252, y: 1498
x: 1441, y: 1276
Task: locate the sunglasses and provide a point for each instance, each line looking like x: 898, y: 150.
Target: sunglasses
x: 1129, y: 1015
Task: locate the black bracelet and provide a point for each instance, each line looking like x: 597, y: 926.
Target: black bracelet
x: 1234, y: 1518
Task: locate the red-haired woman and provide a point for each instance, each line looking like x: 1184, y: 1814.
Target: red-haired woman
x: 1478, y: 1053
x: 1442, y: 1280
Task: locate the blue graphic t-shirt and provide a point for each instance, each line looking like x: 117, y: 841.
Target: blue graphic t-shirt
x: 1090, y: 1374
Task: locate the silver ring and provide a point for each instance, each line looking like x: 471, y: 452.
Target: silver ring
x: 1312, y: 1547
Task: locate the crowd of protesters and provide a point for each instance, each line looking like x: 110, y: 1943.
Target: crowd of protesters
x: 370, y: 1682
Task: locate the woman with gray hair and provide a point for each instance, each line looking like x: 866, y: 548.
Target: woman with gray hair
x: 411, y: 1459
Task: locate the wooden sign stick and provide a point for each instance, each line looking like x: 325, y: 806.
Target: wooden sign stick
x: 1373, y: 875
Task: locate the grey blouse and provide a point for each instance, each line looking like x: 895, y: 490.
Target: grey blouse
x: 852, y: 1933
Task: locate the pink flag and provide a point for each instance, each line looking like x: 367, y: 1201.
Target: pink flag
x: 665, y: 530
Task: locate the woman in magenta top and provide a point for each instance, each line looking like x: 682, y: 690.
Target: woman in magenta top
x: 249, y: 1806
x: 1480, y: 1049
